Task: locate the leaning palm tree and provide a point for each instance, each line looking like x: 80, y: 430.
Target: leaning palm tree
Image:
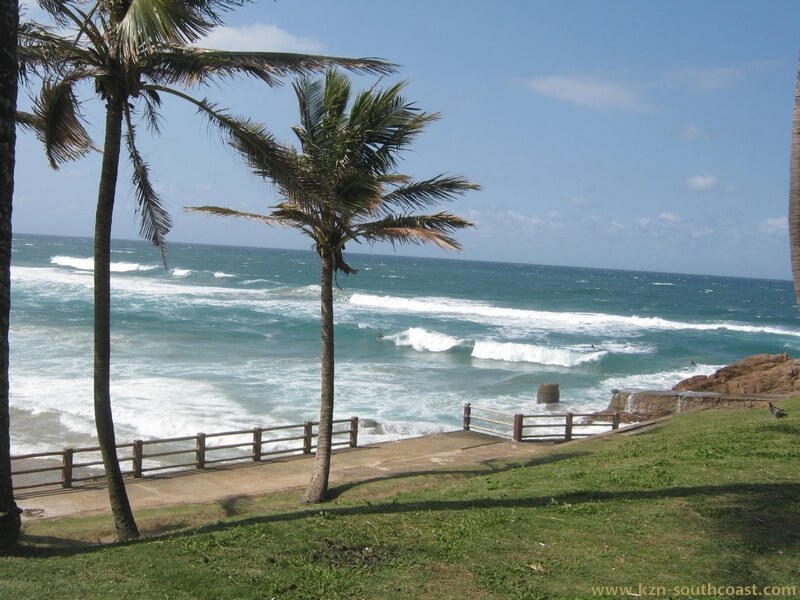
x: 342, y: 187
x: 133, y: 52
x: 794, y: 192
x: 9, y: 18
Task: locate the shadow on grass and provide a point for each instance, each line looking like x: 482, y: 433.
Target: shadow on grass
x: 232, y: 506
x: 761, y: 518
x: 489, y: 467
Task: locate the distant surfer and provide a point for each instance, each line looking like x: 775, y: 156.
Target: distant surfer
x: 693, y: 364
x: 380, y: 336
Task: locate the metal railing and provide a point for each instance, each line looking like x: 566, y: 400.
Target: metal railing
x: 46, y: 469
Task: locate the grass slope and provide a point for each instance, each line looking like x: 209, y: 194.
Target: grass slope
x: 709, y: 498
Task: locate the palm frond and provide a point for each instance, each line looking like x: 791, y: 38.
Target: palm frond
x: 384, y: 124
x: 152, y: 102
x: 150, y: 24
x: 41, y: 51
x: 310, y: 95
x: 221, y: 211
x: 57, y: 120
x: 436, y: 229
x: 264, y: 155
x: 188, y: 66
x: 289, y: 215
x: 155, y: 220
x: 336, y: 97
x: 211, y: 9
x: 28, y: 121
x: 61, y: 11
x: 417, y: 195
x: 357, y: 194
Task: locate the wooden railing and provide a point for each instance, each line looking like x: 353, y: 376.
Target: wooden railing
x: 47, y: 469
x: 519, y: 427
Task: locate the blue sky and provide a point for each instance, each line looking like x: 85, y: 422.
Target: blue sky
x: 616, y: 134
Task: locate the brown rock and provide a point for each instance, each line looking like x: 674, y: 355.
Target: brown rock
x: 758, y: 374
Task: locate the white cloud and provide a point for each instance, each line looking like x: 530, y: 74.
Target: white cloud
x: 259, y: 37
x: 697, y: 232
x: 589, y: 91
x: 578, y: 200
x: 670, y: 217
x: 615, y: 226
x: 164, y: 188
x: 775, y: 226
x: 518, y: 219
x: 691, y: 133
x: 701, y: 183
x: 707, y: 80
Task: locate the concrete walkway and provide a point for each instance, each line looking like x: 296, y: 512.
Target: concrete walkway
x: 456, y: 450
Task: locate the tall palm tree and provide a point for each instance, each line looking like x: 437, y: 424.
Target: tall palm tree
x: 794, y: 192
x: 9, y: 18
x: 342, y: 187
x: 133, y: 52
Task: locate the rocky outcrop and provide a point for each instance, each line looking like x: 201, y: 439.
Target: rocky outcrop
x: 650, y: 404
x: 753, y: 381
x: 758, y: 374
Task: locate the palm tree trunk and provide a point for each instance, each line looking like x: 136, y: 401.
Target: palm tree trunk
x: 318, y: 486
x: 118, y: 496
x: 794, y: 192
x: 9, y: 19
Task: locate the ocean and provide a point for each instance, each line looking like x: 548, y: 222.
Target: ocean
x: 227, y: 338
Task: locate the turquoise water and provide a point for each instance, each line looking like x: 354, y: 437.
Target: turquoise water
x: 228, y: 338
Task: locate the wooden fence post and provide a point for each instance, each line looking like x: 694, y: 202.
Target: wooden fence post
x: 67, y: 475
x: 201, y: 451
x: 138, y: 458
x: 354, y: 432
x: 517, y: 435
x: 568, y: 428
x: 615, y: 421
x: 257, y: 431
x: 467, y: 415
x: 308, y: 435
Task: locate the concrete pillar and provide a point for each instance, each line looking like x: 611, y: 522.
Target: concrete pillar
x: 548, y: 393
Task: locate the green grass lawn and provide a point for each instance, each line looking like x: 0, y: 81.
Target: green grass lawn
x: 710, y: 498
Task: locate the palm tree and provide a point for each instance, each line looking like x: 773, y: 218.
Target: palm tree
x: 133, y: 52
x: 9, y: 18
x: 794, y: 192
x: 342, y: 187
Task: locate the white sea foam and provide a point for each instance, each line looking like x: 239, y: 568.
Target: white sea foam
x: 542, y: 355
x: 594, y: 324
x: 164, y: 387
x: 221, y: 275
x: 57, y: 283
x: 661, y: 380
x: 394, y: 430
x: 423, y: 340
x: 144, y: 408
x: 252, y: 281
x: 84, y: 264
x: 46, y: 282
x: 87, y: 264
x: 181, y: 273
x: 169, y: 296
